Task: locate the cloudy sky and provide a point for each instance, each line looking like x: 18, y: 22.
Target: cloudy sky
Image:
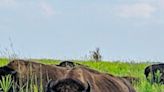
x: 69, y: 29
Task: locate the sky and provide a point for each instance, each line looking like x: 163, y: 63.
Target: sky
x: 68, y: 29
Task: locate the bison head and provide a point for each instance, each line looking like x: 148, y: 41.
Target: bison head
x: 67, y: 85
x: 6, y: 71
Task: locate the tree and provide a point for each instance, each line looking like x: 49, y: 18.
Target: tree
x: 95, y: 55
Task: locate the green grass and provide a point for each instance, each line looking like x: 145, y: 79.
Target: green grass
x: 6, y: 83
x: 115, y: 68
x: 3, y: 61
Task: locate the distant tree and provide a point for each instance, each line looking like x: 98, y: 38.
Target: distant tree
x: 95, y: 55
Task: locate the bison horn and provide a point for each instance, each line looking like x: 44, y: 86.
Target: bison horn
x: 88, y: 88
x: 13, y: 72
x: 53, y: 83
x: 50, y: 85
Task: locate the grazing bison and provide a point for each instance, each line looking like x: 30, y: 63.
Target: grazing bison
x: 67, y: 85
x: 153, y: 69
x: 96, y: 81
x: 27, y: 71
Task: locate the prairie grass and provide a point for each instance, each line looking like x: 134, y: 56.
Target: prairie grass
x: 115, y: 68
x: 6, y: 83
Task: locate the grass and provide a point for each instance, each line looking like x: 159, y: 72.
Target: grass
x: 115, y: 68
x: 6, y: 83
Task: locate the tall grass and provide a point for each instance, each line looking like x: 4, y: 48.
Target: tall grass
x: 6, y: 83
x: 115, y: 68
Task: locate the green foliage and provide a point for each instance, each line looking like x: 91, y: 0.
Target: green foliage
x: 36, y: 88
x: 157, y: 76
x: 6, y: 83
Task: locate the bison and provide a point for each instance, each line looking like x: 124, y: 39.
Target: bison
x: 153, y: 70
x: 67, y: 85
x: 70, y: 64
x: 25, y: 71
x: 95, y: 81
x: 80, y: 79
x: 67, y: 64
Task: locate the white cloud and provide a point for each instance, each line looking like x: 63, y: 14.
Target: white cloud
x: 47, y: 9
x: 142, y: 10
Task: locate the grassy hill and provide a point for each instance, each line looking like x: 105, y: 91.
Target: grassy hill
x: 115, y: 68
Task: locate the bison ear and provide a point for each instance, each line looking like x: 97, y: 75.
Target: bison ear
x: 88, y: 88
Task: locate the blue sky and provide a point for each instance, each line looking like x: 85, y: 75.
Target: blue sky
x: 69, y: 29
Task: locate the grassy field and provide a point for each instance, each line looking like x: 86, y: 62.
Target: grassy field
x: 117, y: 69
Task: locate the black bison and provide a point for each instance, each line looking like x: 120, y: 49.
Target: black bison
x: 70, y: 64
x: 67, y: 64
x: 25, y: 71
x: 67, y: 85
x: 152, y: 69
x: 90, y: 80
